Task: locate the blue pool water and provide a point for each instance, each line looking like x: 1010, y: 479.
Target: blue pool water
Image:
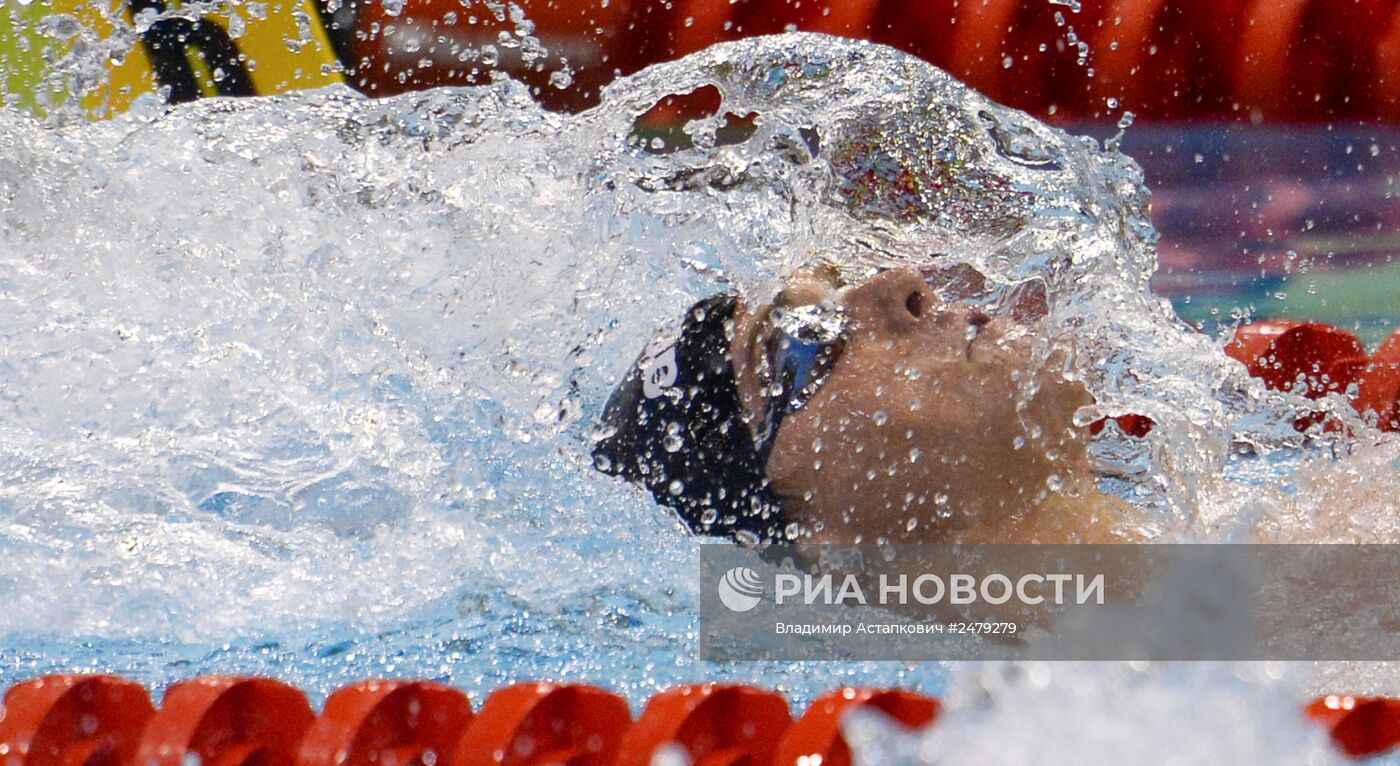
x: 304, y: 386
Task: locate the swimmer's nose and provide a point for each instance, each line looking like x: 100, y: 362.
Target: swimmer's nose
x: 894, y: 301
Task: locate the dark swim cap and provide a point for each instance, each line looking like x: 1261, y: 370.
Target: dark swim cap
x: 675, y: 425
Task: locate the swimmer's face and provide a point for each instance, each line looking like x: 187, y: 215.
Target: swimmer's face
x: 931, y: 421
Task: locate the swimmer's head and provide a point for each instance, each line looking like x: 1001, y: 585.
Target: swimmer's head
x: 676, y: 425
x: 933, y: 421
x: 869, y: 412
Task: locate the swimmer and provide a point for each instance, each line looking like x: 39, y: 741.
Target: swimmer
x: 874, y: 412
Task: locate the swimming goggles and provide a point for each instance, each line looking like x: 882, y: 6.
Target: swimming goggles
x: 801, y: 347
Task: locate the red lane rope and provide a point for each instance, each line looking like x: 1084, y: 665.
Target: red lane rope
x: 105, y: 720
x: 73, y: 720
x: 539, y: 724
x: 1360, y: 726
x: 226, y: 721
x: 1316, y: 359
x: 386, y: 723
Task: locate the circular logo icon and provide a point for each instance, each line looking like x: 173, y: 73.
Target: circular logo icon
x: 740, y: 589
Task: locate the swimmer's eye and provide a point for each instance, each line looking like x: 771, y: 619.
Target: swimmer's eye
x: 801, y: 346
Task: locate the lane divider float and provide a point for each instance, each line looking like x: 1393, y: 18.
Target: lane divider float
x: 226, y: 721
x: 538, y: 724
x: 711, y: 724
x: 386, y: 723
x: 73, y: 720
x: 1360, y: 726
x: 1311, y: 359
x: 1315, y: 359
x: 107, y: 720
x: 816, y: 737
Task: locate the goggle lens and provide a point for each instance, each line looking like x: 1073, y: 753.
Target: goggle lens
x: 801, y: 350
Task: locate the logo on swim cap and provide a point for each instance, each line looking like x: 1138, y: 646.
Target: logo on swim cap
x: 658, y: 365
x: 740, y: 589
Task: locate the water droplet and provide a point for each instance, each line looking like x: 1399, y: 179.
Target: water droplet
x: 561, y: 79
x: 880, y: 417
x: 59, y: 26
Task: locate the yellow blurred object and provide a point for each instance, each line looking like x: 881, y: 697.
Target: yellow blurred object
x: 22, y: 58
x: 272, y: 46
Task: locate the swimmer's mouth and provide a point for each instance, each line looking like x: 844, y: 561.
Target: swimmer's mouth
x: 976, y: 320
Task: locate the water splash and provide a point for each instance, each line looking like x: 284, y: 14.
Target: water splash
x: 268, y: 329
x: 1072, y: 713
x: 316, y: 374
